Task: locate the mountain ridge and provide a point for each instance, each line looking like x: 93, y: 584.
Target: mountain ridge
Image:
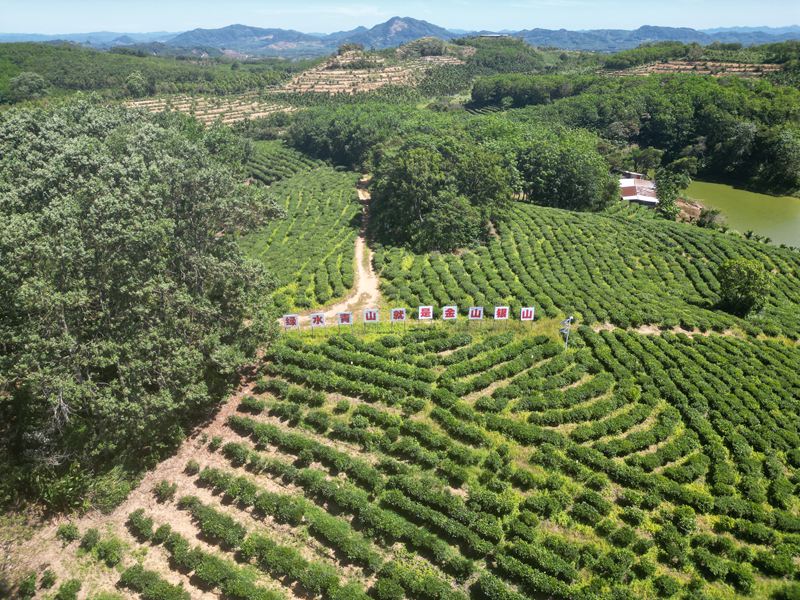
x: 396, y: 31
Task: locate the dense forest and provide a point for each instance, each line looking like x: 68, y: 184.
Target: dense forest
x: 66, y: 67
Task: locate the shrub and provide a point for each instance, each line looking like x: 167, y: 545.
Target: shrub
x: 27, y: 587
x: 252, y: 405
x: 215, y: 443
x: 740, y: 576
x: 142, y: 525
x: 388, y: 589
x: 68, y: 590
x: 110, y: 550
x: 90, y: 539
x: 684, y: 519
x: 150, y: 585
x: 48, y: 579
x: 192, y: 467
x: 666, y: 586
x: 342, y: 406
x: 67, y: 532
x: 165, y: 491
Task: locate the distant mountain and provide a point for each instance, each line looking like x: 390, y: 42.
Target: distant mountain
x: 97, y: 38
x: 769, y: 30
x: 239, y: 40
x: 397, y: 31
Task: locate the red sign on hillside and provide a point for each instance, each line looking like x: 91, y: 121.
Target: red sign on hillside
x: 291, y: 321
x: 398, y: 315
x: 318, y: 320
x: 425, y: 313
x: 344, y: 318
x: 527, y: 313
x: 450, y: 313
x: 475, y: 313
x: 501, y: 313
x: 370, y: 315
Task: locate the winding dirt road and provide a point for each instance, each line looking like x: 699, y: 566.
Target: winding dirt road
x: 366, y: 291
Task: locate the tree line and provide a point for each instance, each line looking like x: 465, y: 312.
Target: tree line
x: 732, y: 129
x: 439, y: 179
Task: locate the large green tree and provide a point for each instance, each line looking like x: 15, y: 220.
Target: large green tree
x: 126, y: 306
x: 437, y: 193
x: 744, y: 284
x: 563, y: 169
x: 27, y: 86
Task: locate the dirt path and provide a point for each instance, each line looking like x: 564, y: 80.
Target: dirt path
x: 366, y: 291
x: 656, y: 330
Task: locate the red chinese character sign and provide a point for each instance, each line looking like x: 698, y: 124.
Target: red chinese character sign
x: 475, y: 313
x: 398, y: 315
x: 501, y: 313
x: 527, y: 313
x: 344, y: 318
x: 450, y: 313
x: 291, y: 321
x: 425, y: 313
x: 317, y: 320
x: 370, y: 315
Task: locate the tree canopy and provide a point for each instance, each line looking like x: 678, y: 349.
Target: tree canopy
x: 744, y: 284
x: 126, y: 305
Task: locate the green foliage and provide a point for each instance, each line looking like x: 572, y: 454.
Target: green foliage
x: 311, y: 251
x: 27, y: 587
x: 48, y: 579
x: 67, y: 532
x: 135, y: 85
x: 744, y: 284
x: 70, y: 397
x: 647, y: 53
x: 68, y: 590
x: 109, y: 550
x: 437, y: 194
x: 73, y: 67
x: 669, y: 186
x: 563, y: 169
x: 90, y: 539
x: 725, y: 128
x: 164, y: 491
x: 26, y: 86
x: 524, y: 90
x: 150, y: 585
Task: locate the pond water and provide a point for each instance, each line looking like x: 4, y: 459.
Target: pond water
x: 776, y: 217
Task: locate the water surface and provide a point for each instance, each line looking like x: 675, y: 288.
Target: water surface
x: 776, y: 217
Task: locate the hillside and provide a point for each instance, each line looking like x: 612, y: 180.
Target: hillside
x: 217, y: 377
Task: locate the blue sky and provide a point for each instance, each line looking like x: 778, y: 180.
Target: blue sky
x: 70, y: 16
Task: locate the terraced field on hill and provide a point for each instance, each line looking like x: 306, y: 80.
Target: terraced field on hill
x: 226, y: 109
x: 446, y: 463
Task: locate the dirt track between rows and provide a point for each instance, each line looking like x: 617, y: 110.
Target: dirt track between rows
x: 366, y: 291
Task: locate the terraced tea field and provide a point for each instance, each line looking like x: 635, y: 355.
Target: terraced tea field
x: 338, y: 78
x: 454, y: 463
x: 225, y: 109
x: 623, y: 267
x: 273, y: 161
x: 703, y: 67
x: 311, y: 251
